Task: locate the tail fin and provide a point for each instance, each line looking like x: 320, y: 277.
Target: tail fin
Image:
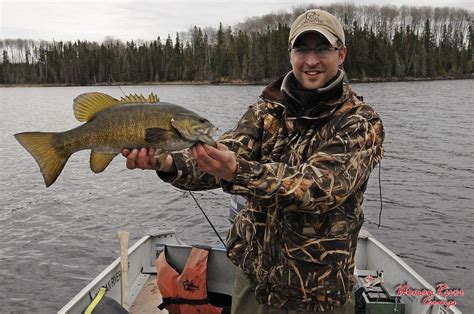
x: 47, y: 151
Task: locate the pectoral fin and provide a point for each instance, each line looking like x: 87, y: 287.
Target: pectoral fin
x: 99, y: 161
x: 158, y: 135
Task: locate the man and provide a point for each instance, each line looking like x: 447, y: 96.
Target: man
x: 301, y: 157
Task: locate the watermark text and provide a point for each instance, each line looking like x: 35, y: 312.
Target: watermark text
x: 429, y: 296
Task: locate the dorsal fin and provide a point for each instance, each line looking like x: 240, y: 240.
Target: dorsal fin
x: 153, y: 98
x: 88, y: 104
x: 139, y: 99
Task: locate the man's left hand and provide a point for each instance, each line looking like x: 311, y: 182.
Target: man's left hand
x: 220, y: 161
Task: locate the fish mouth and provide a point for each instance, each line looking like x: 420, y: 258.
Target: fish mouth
x: 206, y: 138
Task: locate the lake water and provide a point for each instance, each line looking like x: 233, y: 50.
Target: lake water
x: 55, y: 240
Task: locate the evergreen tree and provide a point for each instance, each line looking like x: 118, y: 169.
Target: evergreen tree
x: 428, y: 44
x: 382, y: 42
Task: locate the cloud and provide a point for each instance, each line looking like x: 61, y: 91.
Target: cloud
x: 126, y: 20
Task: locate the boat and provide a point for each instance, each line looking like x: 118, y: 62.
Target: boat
x: 378, y: 273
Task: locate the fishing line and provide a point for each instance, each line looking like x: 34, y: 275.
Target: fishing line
x: 115, y: 84
x: 192, y: 195
x: 380, y: 193
x: 207, y: 218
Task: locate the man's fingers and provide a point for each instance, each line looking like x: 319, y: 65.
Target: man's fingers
x: 151, y: 157
x: 220, y: 161
x: 125, y: 152
x: 197, y: 151
x: 221, y: 155
x: 215, y: 153
x: 221, y: 146
x: 152, y: 151
x: 202, y: 157
x: 142, y: 160
x: 131, y: 157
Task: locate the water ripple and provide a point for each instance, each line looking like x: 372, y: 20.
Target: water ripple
x: 55, y: 240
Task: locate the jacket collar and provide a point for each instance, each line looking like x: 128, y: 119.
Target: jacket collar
x: 288, y: 86
x: 280, y: 92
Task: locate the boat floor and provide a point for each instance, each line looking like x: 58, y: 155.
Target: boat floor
x: 148, y: 299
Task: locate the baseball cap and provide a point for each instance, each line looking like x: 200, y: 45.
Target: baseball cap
x: 317, y: 21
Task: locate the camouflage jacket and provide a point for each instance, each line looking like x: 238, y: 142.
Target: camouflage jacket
x: 304, y: 175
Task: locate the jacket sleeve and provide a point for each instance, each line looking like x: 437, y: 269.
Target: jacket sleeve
x: 242, y: 140
x: 329, y: 176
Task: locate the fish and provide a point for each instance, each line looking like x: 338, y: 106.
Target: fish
x: 111, y: 125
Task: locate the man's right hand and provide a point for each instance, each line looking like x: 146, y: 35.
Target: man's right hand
x: 145, y: 159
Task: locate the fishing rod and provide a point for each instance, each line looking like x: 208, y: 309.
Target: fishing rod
x: 190, y: 193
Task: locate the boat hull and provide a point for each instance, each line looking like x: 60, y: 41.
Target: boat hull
x: 370, y: 255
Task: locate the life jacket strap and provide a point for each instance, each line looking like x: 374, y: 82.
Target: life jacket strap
x: 96, y: 300
x: 168, y: 301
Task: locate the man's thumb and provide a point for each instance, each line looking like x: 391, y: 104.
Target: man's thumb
x: 222, y: 147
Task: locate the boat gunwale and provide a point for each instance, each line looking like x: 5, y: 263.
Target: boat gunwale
x: 93, y: 283
x: 364, y: 236
x: 370, y: 239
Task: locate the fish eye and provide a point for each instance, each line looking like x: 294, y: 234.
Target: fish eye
x: 202, y: 120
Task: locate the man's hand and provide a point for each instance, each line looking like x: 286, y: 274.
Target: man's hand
x: 220, y: 161
x: 145, y: 159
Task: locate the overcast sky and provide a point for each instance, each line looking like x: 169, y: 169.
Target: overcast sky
x: 145, y: 19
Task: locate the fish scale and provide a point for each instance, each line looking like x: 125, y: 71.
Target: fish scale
x: 111, y: 125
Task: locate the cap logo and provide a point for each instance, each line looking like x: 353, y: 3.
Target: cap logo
x: 312, y: 17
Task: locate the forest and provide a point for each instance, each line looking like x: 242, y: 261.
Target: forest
x: 384, y: 43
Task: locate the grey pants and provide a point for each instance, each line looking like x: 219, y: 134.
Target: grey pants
x: 244, y: 302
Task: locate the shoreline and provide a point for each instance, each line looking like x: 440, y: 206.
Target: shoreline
x: 243, y: 83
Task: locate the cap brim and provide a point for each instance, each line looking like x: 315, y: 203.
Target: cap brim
x: 327, y: 34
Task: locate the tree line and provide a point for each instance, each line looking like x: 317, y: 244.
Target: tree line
x: 384, y: 42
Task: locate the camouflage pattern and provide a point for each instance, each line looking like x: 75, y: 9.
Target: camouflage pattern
x: 304, y: 175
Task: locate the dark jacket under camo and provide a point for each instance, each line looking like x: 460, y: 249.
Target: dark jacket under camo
x: 304, y: 174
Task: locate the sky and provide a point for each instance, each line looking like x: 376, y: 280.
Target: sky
x: 94, y: 20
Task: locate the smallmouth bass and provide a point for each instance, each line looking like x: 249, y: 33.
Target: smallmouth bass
x: 111, y: 125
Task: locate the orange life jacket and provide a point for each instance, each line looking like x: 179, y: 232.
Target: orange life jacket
x: 185, y: 293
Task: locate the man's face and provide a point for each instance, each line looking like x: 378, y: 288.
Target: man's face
x: 313, y: 70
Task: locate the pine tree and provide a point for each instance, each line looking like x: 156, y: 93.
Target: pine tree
x: 382, y: 42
